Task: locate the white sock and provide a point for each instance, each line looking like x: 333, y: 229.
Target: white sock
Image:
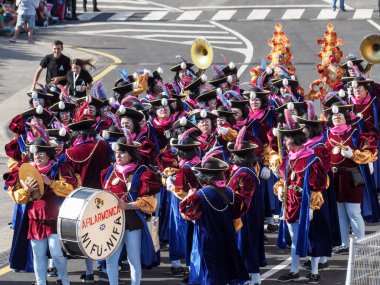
x: 314, y: 265
x: 323, y: 259
x: 255, y: 278
x: 51, y: 263
x: 176, y: 263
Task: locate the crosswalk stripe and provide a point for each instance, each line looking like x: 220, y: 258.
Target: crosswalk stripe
x: 88, y: 16
x: 326, y: 14
x: 363, y: 14
x: 189, y: 15
x: 223, y: 15
x: 155, y: 16
x: 120, y: 16
x: 258, y: 14
x: 292, y: 14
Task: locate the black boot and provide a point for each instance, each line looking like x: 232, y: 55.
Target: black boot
x: 94, y: 5
x: 85, y: 5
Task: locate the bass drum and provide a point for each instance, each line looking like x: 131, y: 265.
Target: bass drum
x: 90, y: 223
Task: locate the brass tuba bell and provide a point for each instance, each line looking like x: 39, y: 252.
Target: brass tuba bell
x: 201, y: 53
x: 370, y: 49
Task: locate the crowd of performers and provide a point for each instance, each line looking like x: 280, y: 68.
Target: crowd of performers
x: 211, y: 158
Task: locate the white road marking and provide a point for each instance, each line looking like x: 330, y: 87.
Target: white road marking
x: 258, y: 14
x: 218, y: 42
x: 373, y: 23
x: 256, y: 6
x: 116, y: 1
x: 131, y: 24
x: 88, y: 16
x: 155, y: 16
x: 327, y: 14
x: 170, y: 8
x: 189, y: 15
x: 150, y: 31
x: 292, y: 14
x: 363, y: 14
x: 185, y: 36
x: 275, y: 269
x: 223, y: 15
x: 247, y: 52
x: 120, y: 16
x: 129, y: 8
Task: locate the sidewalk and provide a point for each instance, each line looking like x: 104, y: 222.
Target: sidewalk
x: 19, y: 62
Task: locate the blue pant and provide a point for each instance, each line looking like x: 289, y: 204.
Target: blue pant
x: 293, y: 231
x: 132, y: 241
x: 350, y: 213
x: 341, y: 4
x: 40, y: 259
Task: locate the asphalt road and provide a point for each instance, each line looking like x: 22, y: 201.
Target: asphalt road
x: 147, y: 34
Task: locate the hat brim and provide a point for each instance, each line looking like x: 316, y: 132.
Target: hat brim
x: 69, y: 106
x: 283, y: 106
x: 354, y: 61
x: 216, y: 82
x: 94, y: 101
x: 33, y: 112
x: 238, y: 104
x: 157, y: 102
x: 279, y: 82
x: 199, y: 167
x: 178, y: 67
x: 342, y: 108
x: 211, y: 116
x: 129, y: 112
x: 206, y: 96
x: 292, y: 131
x: 308, y: 122
x: 194, y: 84
x: 55, y: 133
x: 231, y: 146
x: 85, y: 124
x: 126, y: 147
x: 175, y: 144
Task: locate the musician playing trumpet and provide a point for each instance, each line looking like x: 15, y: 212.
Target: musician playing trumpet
x: 351, y: 151
x: 58, y: 180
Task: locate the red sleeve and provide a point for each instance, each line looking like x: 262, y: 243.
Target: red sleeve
x: 245, y: 190
x: 166, y: 159
x: 103, y: 174
x: 184, y: 177
x: 150, y: 183
x: 367, y: 142
x: 191, y: 206
x: 323, y: 153
x: 68, y: 174
x: 317, y: 177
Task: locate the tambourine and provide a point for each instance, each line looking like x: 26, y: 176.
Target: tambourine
x: 27, y: 170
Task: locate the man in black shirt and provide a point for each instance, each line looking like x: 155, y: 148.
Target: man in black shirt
x: 57, y: 65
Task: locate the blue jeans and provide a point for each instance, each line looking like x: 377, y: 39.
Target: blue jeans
x: 350, y: 213
x: 40, y: 259
x: 341, y: 4
x: 293, y: 231
x: 132, y: 241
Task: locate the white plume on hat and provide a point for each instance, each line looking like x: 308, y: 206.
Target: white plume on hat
x: 183, y: 65
x: 39, y: 109
x: 285, y: 82
x: 290, y: 106
x: 61, y: 105
x: 269, y: 70
x: 164, y: 102
x: 252, y: 95
x: 34, y: 95
x: 275, y: 132
x: 204, y: 77
x: 231, y: 65
x: 354, y: 84
x: 160, y: 70
x: 105, y: 134
x: 62, y: 132
x: 121, y: 109
x: 229, y: 78
x: 115, y: 146
x: 135, y: 85
x: 350, y: 64
x: 33, y: 149
x: 203, y: 113
x: 335, y: 109
x: 219, y: 91
x: 183, y: 121
x: 111, y: 101
x: 135, y: 75
x: 341, y: 93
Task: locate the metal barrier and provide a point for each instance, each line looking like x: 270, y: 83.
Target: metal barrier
x: 364, y: 261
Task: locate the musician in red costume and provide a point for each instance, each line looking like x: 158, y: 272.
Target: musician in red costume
x: 303, y: 177
x: 88, y: 156
x: 351, y: 151
x: 58, y: 179
x: 135, y: 185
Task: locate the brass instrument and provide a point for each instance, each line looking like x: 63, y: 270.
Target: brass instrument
x: 201, y: 54
x: 370, y: 51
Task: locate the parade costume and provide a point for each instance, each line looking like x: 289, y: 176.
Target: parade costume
x: 136, y: 184
x: 351, y: 151
x: 304, y: 177
x: 244, y: 180
x: 215, y: 258
x: 43, y: 213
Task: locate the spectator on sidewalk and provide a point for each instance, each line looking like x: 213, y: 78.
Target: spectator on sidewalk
x: 94, y: 6
x: 57, y: 65
x: 341, y: 5
x: 26, y: 14
x: 43, y: 17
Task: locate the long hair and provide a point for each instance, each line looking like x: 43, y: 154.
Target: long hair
x: 247, y: 159
x: 88, y: 133
x: 210, y: 177
x: 84, y: 64
x: 188, y: 154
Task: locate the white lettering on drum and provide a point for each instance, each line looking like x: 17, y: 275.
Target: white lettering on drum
x: 99, y: 217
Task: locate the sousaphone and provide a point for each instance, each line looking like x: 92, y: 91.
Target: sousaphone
x: 201, y: 54
x: 370, y: 50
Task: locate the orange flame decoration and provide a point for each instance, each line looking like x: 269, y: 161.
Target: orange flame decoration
x: 329, y: 69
